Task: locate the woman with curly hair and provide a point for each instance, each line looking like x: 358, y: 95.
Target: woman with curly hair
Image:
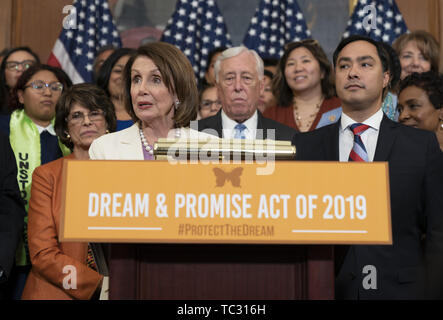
x: 420, y: 102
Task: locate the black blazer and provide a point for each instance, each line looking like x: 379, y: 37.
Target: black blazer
x: 282, y: 132
x: 412, y: 267
x: 12, y: 211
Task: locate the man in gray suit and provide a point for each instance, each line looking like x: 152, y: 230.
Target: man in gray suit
x: 239, y: 81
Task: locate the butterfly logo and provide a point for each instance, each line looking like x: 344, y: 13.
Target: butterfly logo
x: 233, y: 176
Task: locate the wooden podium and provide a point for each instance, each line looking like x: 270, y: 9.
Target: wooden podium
x: 214, y: 271
x: 224, y: 231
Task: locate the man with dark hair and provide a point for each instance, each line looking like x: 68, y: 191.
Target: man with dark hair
x: 411, y: 267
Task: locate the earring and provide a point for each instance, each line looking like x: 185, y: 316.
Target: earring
x: 68, y: 136
x: 107, y: 131
x: 177, y: 103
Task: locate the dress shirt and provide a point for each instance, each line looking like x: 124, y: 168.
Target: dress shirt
x: 49, y: 147
x: 229, y: 126
x: 49, y: 128
x: 368, y: 137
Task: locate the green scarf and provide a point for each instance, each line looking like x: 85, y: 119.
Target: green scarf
x: 25, y: 142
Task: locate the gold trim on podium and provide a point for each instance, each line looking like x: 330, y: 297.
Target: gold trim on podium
x: 223, y: 149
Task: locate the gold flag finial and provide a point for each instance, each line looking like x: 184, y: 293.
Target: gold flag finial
x: 352, y: 4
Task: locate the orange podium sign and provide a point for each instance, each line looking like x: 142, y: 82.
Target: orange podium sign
x: 160, y: 202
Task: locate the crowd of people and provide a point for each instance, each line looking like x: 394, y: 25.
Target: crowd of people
x: 374, y: 102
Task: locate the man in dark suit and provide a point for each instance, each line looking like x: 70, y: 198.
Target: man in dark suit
x: 12, y: 213
x: 410, y: 268
x: 239, y: 81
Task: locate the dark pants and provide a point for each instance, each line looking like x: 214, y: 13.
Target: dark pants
x: 12, y: 289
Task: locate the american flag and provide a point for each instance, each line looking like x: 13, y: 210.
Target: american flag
x: 76, y: 48
x: 380, y: 19
x: 197, y: 27
x: 275, y: 23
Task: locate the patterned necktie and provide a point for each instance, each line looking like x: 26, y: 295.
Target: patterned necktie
x: 90, y: 261
x: 239, y: 131
x: 358, y: 152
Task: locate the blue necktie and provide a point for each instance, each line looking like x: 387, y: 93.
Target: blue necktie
x: 49, y: 147
x: 239, y: 130
x: 358, y: 152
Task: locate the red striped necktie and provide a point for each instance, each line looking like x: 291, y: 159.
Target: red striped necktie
x: 358, y: 152
x: 90, y: 261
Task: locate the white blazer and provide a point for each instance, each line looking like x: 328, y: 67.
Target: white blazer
x: 126, y: 144
x: 120, y: 145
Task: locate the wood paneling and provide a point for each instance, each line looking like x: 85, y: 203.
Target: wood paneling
x: 220, y: 272
x: 421, y: 15
x: 424, y: 15
x: 440, y: 35
x: 37, y: 24
x: 5, y: 23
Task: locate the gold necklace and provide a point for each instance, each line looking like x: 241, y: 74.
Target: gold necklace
x: 311, y: 117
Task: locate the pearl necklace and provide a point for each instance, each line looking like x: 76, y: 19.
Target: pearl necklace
x: 148, y: 147
x: 145, y: 143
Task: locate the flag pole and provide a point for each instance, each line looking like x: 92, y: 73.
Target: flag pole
x: 352, y: 4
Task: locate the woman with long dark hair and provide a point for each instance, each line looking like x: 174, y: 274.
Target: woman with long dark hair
x: 110, y: 80
x: 304, y: 88
x: 14, y: 63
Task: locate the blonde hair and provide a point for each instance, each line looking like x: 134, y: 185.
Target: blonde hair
x: 426, y: 43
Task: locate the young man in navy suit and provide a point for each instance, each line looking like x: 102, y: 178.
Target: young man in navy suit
x: 411, y: 267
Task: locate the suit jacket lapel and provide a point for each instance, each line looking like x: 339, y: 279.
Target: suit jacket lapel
x: 218, y: 124
x: 215, y: 123
x: 331, y: 142
x: 131, y: 144
x: 386, y: 138
x: 260, y: 124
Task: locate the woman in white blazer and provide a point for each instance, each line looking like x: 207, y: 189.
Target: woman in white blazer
x: 161, y: 97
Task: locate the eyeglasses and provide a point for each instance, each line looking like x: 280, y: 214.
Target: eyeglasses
x: 79, y: 117
x: 207, y: 104
x: 15, y: 65
x: 41, y: 85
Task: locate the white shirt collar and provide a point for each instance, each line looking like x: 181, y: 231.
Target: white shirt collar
x: 228, y: 126
x: 49, y: 128
x: 373, y: 121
